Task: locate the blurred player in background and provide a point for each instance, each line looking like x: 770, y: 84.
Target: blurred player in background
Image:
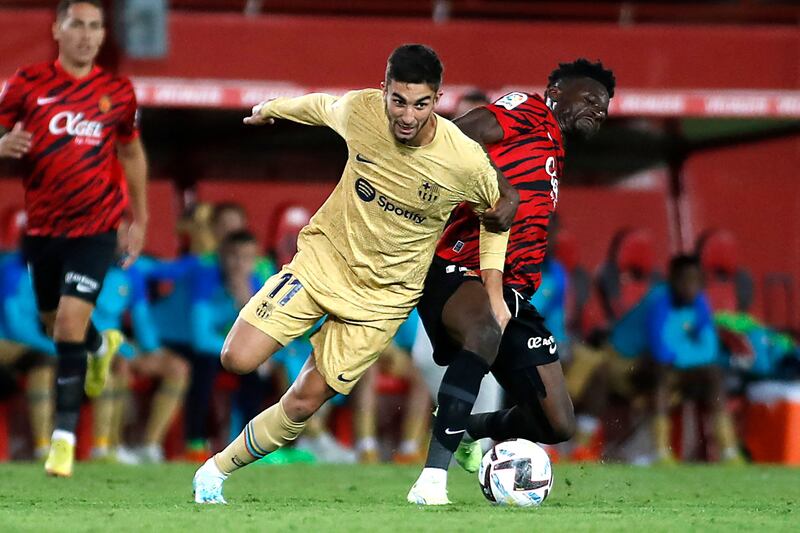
x: 124, y: 293
x: 666, y: 344
x: 73, y: 125
x: 525, y: 135
x: 363, y: 257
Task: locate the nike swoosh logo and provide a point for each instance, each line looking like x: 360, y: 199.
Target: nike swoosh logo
x: 448, y: 431
x: 341, y: 377
x: 46, y: 100
x: 83, y: 288
x: 363, y: 159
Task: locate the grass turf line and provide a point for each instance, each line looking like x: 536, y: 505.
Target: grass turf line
x: 372, y: 498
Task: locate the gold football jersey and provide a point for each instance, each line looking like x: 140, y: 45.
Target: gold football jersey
x: 367, y: 250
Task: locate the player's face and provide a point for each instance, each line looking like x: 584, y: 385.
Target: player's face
x: 687, y: 284
x: 409, y: 107
x: 581, y: 105
x: 80, y: 33
x: 227, y: 222
x: 239, y: 259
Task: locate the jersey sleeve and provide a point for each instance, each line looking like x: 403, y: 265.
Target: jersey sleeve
x: 315, y: 109
x: 11, y: 100
x: 128, y: 127
x: 517, y: 112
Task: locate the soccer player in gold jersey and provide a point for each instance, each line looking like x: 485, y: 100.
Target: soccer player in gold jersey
x: 363, y: 258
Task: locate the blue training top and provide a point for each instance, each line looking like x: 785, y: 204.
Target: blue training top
x: 550, y: 298
x: 125, y: 291
x: 212, y: 309
x: 19, y: 315
x: 680, y: 336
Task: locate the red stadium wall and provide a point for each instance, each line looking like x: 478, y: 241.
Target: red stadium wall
x: 595, y: 214
x: 352, y: 51
x: 753, y: 191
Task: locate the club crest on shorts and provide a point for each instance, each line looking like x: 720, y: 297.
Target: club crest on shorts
x: 428, y: 192
x: 264, y: 310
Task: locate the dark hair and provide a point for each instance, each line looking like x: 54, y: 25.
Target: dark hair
x: 583, y: 68
x: 64, y: 5
x: 682, y: 262
x: 415, y: 63
x: 242, y: 236
x: 226, y: 206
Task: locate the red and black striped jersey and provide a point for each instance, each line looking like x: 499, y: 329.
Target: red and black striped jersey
x: 531, y: 156
x: 73, y: 181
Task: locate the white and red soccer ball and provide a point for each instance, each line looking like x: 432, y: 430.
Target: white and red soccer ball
x: 516, y: 472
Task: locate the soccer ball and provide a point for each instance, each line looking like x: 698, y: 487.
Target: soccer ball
x: 516, y: 472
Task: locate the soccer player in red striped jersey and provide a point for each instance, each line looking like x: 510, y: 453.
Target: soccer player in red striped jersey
x: 525, y: 137
x: 73, y: 127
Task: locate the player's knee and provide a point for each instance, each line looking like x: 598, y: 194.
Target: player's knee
x: 177, y: 369
x: 235, y: 361
x: 69, y: 328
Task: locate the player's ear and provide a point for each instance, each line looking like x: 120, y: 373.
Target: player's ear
x: 55, y: 28
x: 553, y: 93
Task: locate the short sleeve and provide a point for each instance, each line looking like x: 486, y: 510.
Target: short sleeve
x: 128, y: 126
x: 485, y: 190
x: 517, y: 112
x: 11, y: 101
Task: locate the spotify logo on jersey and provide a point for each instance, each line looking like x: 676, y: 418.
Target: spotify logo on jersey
x: 365, y: 190
x: 367, y: 193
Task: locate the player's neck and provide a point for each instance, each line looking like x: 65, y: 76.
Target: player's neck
x: 426, y: 134
x: 76, y: 70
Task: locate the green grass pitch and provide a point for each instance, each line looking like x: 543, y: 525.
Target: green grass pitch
x: 372, y: 498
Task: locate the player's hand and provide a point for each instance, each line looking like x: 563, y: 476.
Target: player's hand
x: 256, y: 118
x: 135, y: 243
x: 16, y: 143
x: 500, y: 216
x: 501, y: 312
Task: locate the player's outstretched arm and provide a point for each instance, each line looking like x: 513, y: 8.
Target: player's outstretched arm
x: 481, y: 125
x: 315, y: 109
x: 15, y: 143
x: 134, y: 162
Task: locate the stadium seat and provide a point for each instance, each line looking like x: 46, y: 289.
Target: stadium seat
x: 729, y: 287
x: 780, y: 304
x: 628, y: 273
x: 12, y: 222
x: 281, y: 238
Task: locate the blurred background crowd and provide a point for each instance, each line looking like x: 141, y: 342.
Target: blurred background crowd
x: 671, y: 283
